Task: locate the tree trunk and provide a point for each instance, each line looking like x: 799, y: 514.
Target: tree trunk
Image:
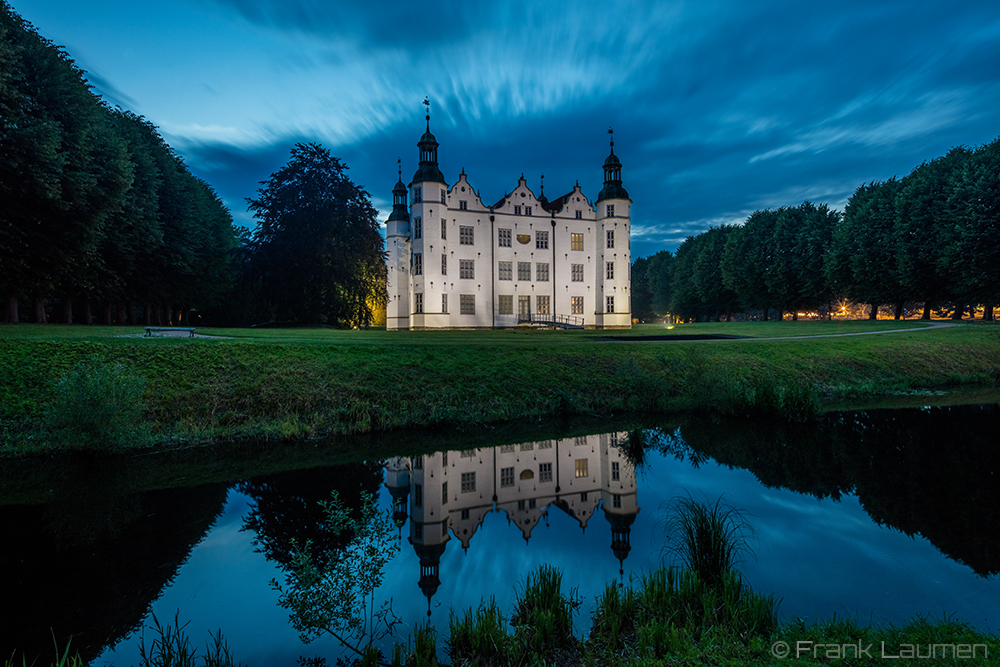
x: 88, y: 314
x: 795, y: 316
x: 763, y: 318
x: 899, y: 311
x: 987, y: 313
x: 145, y: 315
x: 130, y: 310
x: 12, y: 309
x: 40, y: 311
x: 959, y: 312
x: 120, y: 314
x: 106, y: 315
x: 67, y: 308
x: 873, y: 313
x: 927, y: 311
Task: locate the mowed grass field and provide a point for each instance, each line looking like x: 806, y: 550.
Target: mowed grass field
x: 305, y: 382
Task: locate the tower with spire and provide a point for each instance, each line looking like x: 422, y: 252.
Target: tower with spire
x: 455, y: 262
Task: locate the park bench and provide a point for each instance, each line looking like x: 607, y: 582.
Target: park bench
x: 150, y: 330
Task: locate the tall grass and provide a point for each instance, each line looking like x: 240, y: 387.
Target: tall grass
x: 171, y: 647
x: 709, y: 539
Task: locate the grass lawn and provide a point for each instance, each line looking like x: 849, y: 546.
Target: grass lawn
x: 303, y: 382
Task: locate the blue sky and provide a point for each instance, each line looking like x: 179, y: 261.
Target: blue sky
x: 719, y: 107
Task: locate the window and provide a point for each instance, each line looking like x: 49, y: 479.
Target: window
x: 417, y: 197
x: 444, y: 530
x: 524, y: 305
x: 576, y: 241
x: 467, y: 269
x: 418, y: 495
x: 517, y: 210
x: 616, y: 501
x: 444, y: 309
x: 418, y: 228
x: 527, y: 446
x: 468, y: 482
x: 465, y: 515
x: 520, y: 505
x: 583, y: 496
x: 614, y: 471
x: 507, y: 476
x: 609, y: 270
x: 418, y: 264
x: 444, y: 493
x: 418, y: 462
x: 444, y: 460
x: 463, y: 205
x: 576, y: 305
x: 542, y: 272
x: 577, y: 272
x: 467, y: 305
x: 505, y: 270
x: 468, y: 453
x: 418, y: 531
x: 547, y: 444
x: 527, y: 210
x: 544, y: 472
x: 579, y: 215
x: 581, y: 467
x: 531, y: 503
x: 524, y: 270
x: 504, y: 238
x: 541, y: 240
x: 506, y: 449
x: 611, y: 238
x: 505, y: 304
x: 542, y: 305
x: 610, y: 303
x: 465, y: 236
x: 418, y: 303
x: 611, y: 211
x: 444, y: 265
x: 444, y: 230
x: 444, y: 195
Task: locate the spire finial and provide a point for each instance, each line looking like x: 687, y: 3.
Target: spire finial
x: 427, y: 103
x: 399, y: 167
x: 543, y: 185
x: 611, y: 131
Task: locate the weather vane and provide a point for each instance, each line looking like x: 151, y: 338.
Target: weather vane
x: 611, y: 131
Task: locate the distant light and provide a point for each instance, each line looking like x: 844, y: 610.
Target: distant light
x: 671, y: 326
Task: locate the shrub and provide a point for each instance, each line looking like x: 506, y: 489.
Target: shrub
x: 98, y: 406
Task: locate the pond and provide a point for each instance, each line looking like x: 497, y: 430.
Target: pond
x: 877, y: 515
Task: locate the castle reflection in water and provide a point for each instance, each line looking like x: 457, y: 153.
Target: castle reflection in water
x: 449, y: 494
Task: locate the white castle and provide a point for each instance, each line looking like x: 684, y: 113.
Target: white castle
x: 454, y: 262
x: 451, y: 493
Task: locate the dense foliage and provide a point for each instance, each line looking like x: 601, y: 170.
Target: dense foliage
x: 96, y: 210
x: 317, y: 255
x: 930, y: 239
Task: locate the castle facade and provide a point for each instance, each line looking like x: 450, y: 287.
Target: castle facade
x: 456, y: 262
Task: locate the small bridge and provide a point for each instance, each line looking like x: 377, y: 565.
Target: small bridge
x: 557, y: 321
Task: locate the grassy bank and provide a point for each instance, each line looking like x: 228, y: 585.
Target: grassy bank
x: 305, y: 382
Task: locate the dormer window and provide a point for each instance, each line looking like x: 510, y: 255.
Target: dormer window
x: 527, y: 210
x: 517, y: 210
x: 579, y: 215
x: 417, y: 197
x: 463, y: 205
x: 611, y: 210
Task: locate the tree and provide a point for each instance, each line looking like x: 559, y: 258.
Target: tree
x: 748, y: 258
x: 971, y: 253
x: 861, y: 260
x: 642, y: 297
x: 318, y: 252
x: 925, y: 206
x: 800, y: 239
x: 707, y: 275
x: 660, y: 278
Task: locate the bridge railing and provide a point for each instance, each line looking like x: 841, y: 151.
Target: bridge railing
x: 562, y: 321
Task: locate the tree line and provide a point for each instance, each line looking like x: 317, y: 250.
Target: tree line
x: 97, y: 213
x: 930, y: 239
